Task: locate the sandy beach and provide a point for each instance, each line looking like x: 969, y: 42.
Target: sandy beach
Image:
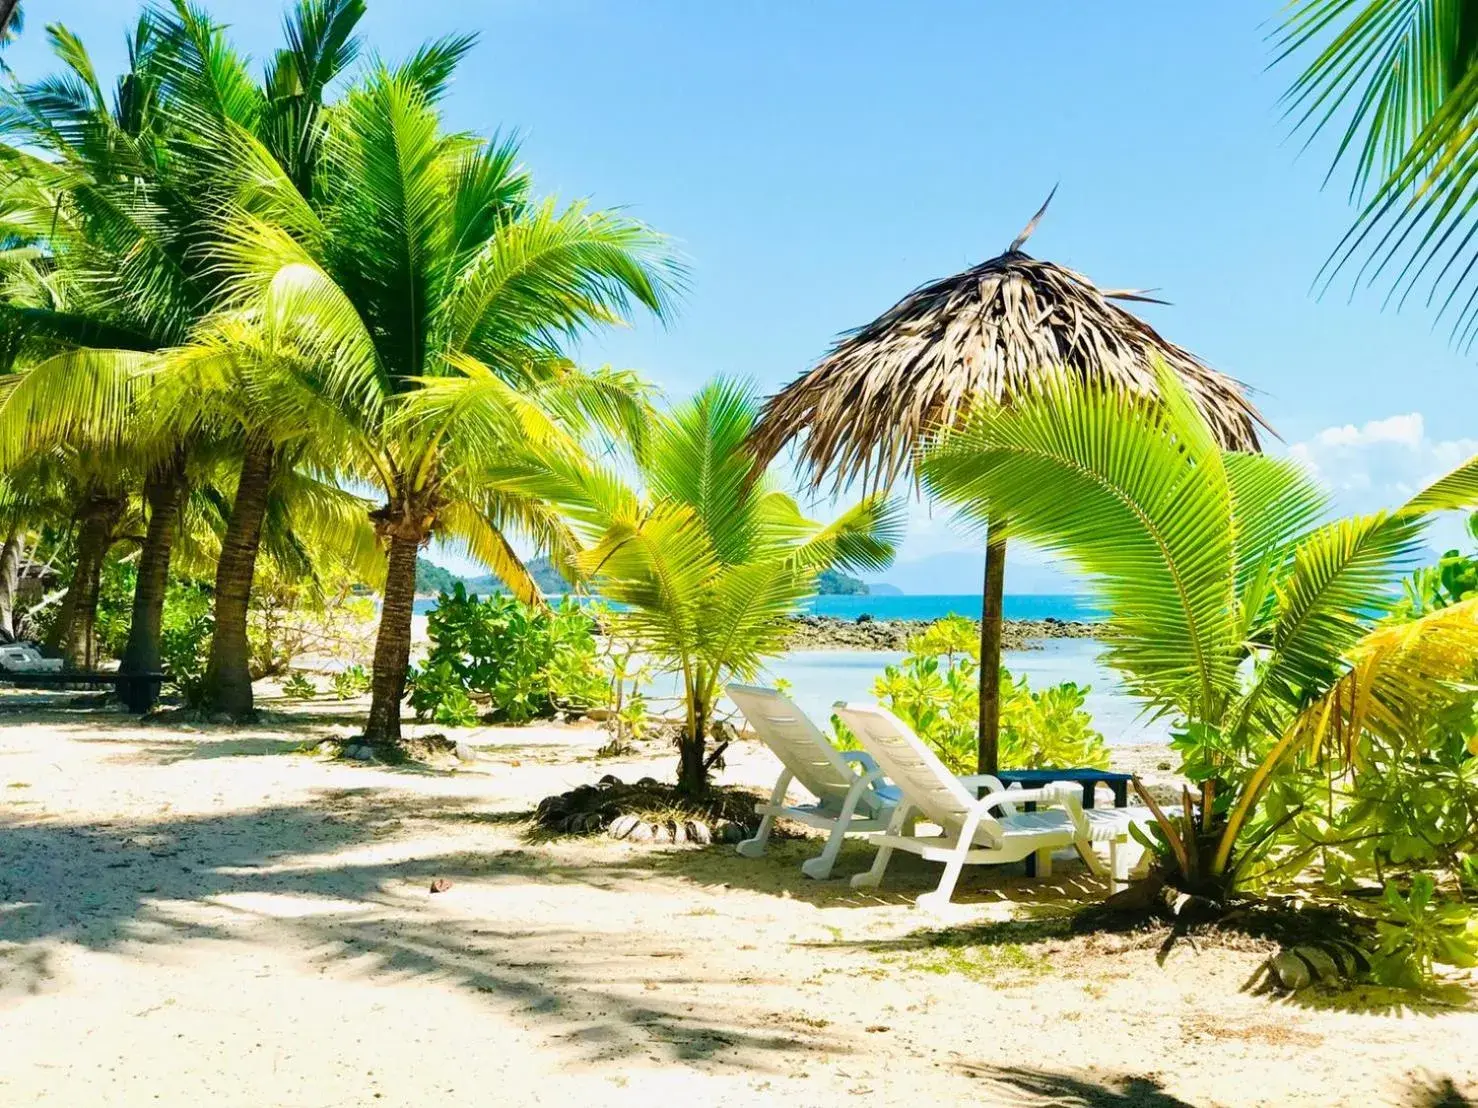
x: 194, y: 914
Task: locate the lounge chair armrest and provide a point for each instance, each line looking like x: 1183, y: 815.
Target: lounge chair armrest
x: 1057, y: 794
x: 861, y: 758
x: 981, y: 781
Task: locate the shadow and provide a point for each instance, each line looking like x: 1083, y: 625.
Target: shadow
x: 1037, y: 1087
x: 1438, y: 1092
x: 309, y: 876
x: 184, y: 749
x: 908, y: 877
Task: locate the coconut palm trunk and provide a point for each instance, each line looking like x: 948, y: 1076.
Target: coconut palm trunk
x: 74, y: 634
x: 393, y: 641
x: 692, y: 772
x: 10, y: 572
x: 228, y: 672
x: 991, y: 618
x: 164, y: 493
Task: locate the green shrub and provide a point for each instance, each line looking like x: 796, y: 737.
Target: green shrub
x: 935, y: 690
x: 1419, y: 929
x: 526, y: 662
x: 350, y: 682
x: 184, y: 640
x: 299, y: 686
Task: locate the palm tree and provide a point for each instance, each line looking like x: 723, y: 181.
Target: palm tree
x: 412, y: 313
x: 1398, y: 81
x: 708, y: 559
x: 985, y: 333
x: 1235, y: 610
x: 141, y: 179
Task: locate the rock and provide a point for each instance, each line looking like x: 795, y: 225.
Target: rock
x: 865, y: 617
x: 661, y: 833
x: 465, y: 753
x: 1190, y: 908
x: 698, y: 832
x: 729, y: 832
x: 622, y: 826
x: 641, y: 833
x: 440, y: 885
x: 1291, y: 971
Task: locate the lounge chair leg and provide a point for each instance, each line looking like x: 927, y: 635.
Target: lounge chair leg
x: 1044, y: 862
x: 755, y: 847
x: 939, y: 899
x: 1118, y: 864
x: 820, y: 866
x: 872, y: 878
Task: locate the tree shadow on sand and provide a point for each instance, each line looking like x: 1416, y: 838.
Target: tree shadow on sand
x: 1043, y: 1089
x: 310, y: 878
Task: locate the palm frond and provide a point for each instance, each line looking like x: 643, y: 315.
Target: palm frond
x: 1133, y: 492
x: 1397, y: 677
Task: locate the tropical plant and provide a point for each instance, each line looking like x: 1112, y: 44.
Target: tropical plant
x: 1420, y: 928
x: 127, y: 195
x: 707, y: 559
x: 349, y: 682
x: 936, y: 691
x: 1398, y: 81
x: 299, y: 686
x: 1234, y: 609
x: 524, y: 661
x: 414, y: 307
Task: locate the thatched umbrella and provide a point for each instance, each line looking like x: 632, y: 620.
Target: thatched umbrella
x: 983, y: 333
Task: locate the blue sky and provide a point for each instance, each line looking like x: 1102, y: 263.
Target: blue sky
x: 816, y: 160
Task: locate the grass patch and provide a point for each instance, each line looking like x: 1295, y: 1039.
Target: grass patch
x: 977, y: 963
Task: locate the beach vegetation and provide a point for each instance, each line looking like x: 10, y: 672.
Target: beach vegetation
x: 704, y: 557
x: 935, y: 690
x: 521, y: 662
x: 1238, y: 610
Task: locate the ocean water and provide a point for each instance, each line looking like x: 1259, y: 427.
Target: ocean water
x: 819, y: 678
x: 1021, y: 606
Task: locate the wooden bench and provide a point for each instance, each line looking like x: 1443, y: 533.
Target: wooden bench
x: 138, y: 690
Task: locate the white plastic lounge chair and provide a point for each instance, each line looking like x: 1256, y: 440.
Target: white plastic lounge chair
x: 22, y: 657
x: 971, y: 834
x: 847, y: 800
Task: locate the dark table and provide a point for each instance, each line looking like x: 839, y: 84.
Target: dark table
x: 1089, y: 779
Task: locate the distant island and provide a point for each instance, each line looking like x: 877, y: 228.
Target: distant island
x: 432, y: 579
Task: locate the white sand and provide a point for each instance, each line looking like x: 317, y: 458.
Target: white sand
x: 198, y: 915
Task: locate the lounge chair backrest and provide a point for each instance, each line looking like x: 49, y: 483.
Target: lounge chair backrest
x: 799, y: 744
x: 20, y: 656
x: 908, y: 762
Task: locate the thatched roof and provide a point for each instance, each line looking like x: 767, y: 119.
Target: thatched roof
x: 981, y: 333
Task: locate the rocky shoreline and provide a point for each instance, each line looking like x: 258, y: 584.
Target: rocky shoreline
x: 864, y: 633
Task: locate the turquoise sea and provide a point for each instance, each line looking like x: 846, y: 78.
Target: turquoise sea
x: 822, y: 677
x: 1023, y: 606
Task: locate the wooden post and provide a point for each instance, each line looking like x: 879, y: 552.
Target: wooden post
x: 988, y: 749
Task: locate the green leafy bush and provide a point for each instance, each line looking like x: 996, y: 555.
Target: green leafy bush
x: 1419, y: 929
x: 299, y: 686
x: 184, y: 639
x: 526, y: 663
x: 350, y: 682
x: 935, y: 690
